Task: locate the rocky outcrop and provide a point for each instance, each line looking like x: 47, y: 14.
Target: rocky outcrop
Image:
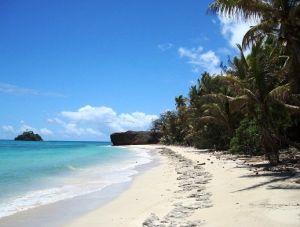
x: 134, y: 138
x: 29, y: 136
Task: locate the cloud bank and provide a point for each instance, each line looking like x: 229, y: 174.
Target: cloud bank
x: 100, y: 121
x: 86, y: 123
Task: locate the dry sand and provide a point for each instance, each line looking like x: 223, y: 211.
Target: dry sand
x: 195, y: 188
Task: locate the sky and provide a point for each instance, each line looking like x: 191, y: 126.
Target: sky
x: 80, y: 70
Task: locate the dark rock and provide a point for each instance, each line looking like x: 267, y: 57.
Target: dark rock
x: 134, y: 138
x: 29, y: 136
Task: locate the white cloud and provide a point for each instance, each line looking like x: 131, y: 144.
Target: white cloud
x: 192, y: 53
x: 208, y: 61
x: 72, y: 129
x: 134, y: 121
x: 86, y: 123
x: 234, y: 30
x: 46, y: 132
x: 165, y: 46
x: 16, y: 90
x: 90, y: 113
x: 8, y: 129
x: 101, y: 121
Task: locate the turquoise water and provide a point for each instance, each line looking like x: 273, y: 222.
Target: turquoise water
x: 38, y: 173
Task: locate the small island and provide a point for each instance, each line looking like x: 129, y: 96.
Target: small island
x: 29, y: 136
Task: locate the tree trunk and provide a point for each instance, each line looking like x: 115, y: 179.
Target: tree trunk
x: 271, y: 147
x: 273, y: 157
x: 294, y: 71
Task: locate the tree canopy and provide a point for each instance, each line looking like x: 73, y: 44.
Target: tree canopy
x: 253, y: 105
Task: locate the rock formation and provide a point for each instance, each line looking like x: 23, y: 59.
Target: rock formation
x: 134, y: 138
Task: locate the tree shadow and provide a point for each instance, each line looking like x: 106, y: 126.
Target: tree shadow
x: 288, y: 187
x: 280, y: 175
x: 280, y: 179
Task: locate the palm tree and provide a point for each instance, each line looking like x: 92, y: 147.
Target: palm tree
x: 182, y: 119
x: 259, y: 90
x: 209, y: 116
x: 277, y: 18
x: 215, y: 110
x: 180, y: 102
x: 168, y: 127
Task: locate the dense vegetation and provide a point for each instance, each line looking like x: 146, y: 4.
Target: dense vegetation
x: 253, y: 107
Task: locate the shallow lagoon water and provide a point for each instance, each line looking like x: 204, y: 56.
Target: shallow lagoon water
x: 34, y: 174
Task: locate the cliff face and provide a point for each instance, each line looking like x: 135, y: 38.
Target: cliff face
x: 29, y: 136
x: 134, y: 138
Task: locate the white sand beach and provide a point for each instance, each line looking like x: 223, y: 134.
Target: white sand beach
x: 191, y: 188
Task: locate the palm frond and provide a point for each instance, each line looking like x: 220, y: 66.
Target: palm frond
x: 215, y: 98
x: 242, y: 56
x: 238, y: 103
x: 214, y: 110
x: 281, y: 93
x: 292, y: 108
x: 257, y: 33
x: 250, y: 95
x: 241, y: 8
x: 233, y: 82
x: 211, y: 120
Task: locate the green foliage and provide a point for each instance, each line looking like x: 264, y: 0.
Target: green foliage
x: 247, y: 138
x: 249, y: 106
x: 279, y: 19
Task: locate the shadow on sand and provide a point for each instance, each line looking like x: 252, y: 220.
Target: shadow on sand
x: 277, y: 176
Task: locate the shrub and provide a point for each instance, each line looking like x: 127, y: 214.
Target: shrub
x: 247, y: 139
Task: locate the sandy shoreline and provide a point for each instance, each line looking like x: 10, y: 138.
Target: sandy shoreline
x: 191, y: 188
x: 132, y: 206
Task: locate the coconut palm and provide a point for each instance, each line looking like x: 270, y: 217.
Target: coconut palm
x: 208, y: 112
x: 167, y: 125
x: 259, y: 90
x: 180, y: 102
x: 277, y: 18
x: 182, y: 118
x: 217, y: 115
x: 215, y: 110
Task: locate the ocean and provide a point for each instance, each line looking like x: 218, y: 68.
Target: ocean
x: 34, y: 174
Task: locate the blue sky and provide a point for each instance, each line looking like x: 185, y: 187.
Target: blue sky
x: 79, y: 70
